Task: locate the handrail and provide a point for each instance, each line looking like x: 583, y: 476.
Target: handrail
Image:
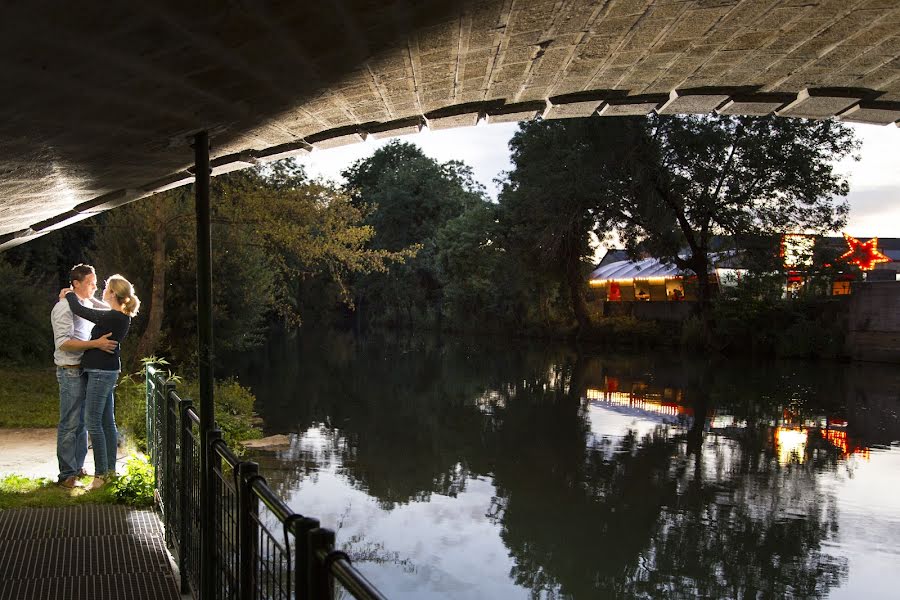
x: 222, y: 449
x: 248, y: 561
x: 353, y: 581
x: 260, y: 487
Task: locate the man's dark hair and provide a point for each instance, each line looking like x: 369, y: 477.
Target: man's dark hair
x: 79, y: 272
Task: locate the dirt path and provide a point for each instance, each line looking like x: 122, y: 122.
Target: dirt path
x: 32, y: 452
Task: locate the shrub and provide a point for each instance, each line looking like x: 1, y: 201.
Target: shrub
x: 234, y: 409
x: 24, y: 318
x: 135, y: 487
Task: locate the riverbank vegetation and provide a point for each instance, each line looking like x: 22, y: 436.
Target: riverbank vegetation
x: 410, y: 242
x: 134, y: 487
x: 29, y: 398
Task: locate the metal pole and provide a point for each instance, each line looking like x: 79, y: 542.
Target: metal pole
x: 204, y: 359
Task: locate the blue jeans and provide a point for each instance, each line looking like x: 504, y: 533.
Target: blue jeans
x: 100, y: 418
x: 71, y: 436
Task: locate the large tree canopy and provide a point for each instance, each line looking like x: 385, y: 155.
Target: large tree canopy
x: 669, y: 185
x: 408, y: 198
x: 274, y: 230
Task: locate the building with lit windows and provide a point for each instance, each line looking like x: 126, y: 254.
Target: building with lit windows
x: 619, y: 278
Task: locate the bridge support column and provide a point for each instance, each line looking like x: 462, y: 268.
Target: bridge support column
x: 204, y: 363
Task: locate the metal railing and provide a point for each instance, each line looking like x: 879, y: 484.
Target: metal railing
x: 263, y: 550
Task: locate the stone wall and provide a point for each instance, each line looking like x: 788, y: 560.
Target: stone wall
x: 873, y: 331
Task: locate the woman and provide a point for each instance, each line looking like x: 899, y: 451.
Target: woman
x: 102, y: 369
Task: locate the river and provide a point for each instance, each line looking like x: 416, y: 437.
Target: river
x: 471, y: 468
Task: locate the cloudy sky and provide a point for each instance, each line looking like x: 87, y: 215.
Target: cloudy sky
x: 874, y: 180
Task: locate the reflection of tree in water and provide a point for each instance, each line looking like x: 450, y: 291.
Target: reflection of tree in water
x: 673, y: 513
x: 666, y: 515
x: 728, y: 533
x: 402, y: 420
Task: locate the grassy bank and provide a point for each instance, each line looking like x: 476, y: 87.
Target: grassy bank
x: 25, y: 492
x: 29, y: 398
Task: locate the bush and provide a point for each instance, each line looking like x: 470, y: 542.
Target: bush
x: 24, y: 318
x: 234, y: 409
x: 796, y: 328
x: 627, y: 331
x: 135, y: 487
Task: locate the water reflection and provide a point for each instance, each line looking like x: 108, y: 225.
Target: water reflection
x: 457, y: 468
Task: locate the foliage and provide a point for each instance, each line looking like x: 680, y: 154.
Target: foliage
x: 409, y: 198
x: 24, y: 317
x: 552, y: 205
x: 668, y: 186
x: 274, y: 231
x: 688, y: 179
x: 131, y: 410
x: 752, y: 318
x: 234, y: 410
x: 471, y: 265
x: 135, y: 487
x: 29, y: 397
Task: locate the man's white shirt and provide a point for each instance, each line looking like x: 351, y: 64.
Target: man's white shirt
x: 67, y: 326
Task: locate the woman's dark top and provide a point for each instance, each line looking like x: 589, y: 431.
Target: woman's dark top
x: 105, y: 321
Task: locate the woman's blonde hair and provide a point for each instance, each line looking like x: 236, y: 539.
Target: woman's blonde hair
x: 124, y: 292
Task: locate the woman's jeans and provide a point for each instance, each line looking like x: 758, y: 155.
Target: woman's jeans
x: 100, y: 418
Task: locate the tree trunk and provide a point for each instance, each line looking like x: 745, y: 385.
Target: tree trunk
x: 575, y: 282
x: 149, y: 339
x: 700, y: 265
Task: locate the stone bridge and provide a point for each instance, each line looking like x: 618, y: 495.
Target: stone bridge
x: 101, y: 99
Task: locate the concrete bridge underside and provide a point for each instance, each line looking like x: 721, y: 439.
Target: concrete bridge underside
x: 100, y: 100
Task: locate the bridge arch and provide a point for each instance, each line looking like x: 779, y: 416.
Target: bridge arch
x: 104, y: 99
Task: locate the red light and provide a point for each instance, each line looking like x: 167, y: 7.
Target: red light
x: 865, y: 255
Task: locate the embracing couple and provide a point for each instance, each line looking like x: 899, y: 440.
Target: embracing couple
x: 87, y: 369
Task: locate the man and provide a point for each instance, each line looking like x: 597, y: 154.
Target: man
x: 72, y: 336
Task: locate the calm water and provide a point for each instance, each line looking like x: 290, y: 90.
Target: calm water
x: 467, y: 469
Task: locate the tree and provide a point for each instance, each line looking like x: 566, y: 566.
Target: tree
x: 669, y: 185
x: 408, y: 197
x: 555, y: 199
x: 692, y: 178
x: 273, y: 230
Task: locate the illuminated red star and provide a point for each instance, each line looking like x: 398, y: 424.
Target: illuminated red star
x: 865, y: 255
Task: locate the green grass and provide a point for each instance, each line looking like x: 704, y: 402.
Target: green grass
x: 29, y: 398
x: 133, y: 487
x: 24, y: 492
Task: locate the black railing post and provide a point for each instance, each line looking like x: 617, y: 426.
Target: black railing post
x: 204, y: 357
x: 186, y: 448
x: 248, y: 532
x: 321, y: 584
x: 214, y: 517
x: 167, y: 489
x: 304, y: 562
x: 149, y: 390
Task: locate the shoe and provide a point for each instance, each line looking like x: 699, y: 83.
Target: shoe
x: 70, y: 482
x: 97, y: 483
x: 82, y: 472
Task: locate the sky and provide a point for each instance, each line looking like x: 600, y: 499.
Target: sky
x: 874, y: 180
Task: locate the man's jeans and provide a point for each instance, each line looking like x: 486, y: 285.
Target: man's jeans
x: 100, y: 418
x: 71, y: 435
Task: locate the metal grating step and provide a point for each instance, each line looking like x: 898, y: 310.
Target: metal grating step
x: 91, y: 552
x: 93, y: 587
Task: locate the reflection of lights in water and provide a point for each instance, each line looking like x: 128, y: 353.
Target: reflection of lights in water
x: 644, y: 402
x: 790, y: 444
x: 489, y: 401
x: 722, y: 421
x: 839, y: 440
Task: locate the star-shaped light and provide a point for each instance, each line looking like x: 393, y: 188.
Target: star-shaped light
x: 865, y: 255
